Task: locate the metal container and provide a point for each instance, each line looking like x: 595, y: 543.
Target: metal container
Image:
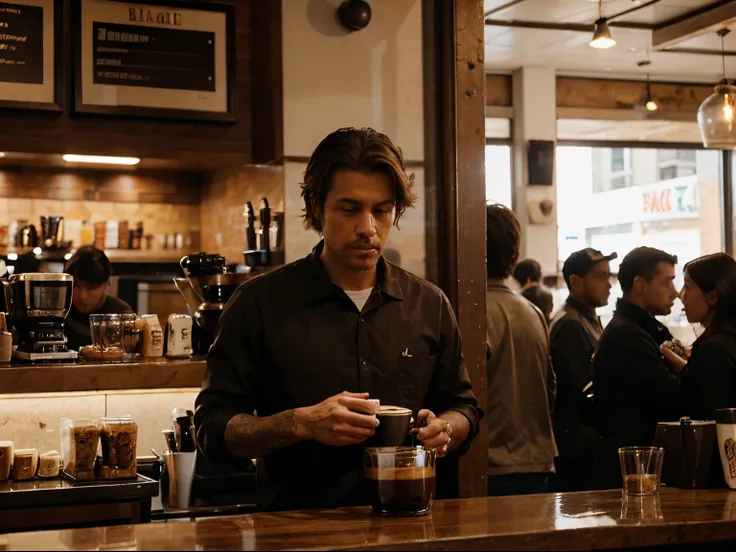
x: 179, y: 341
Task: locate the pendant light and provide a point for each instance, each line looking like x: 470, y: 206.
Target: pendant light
x: 651, y: 105
x: 717, y: 114
x: 602, y: 33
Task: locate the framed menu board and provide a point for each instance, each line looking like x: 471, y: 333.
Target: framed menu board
x: 155, y: 59
x: 30, y: 54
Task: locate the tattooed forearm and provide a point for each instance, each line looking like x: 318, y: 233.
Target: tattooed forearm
x: 254, y: 437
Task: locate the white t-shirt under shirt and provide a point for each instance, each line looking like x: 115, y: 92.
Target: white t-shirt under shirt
x: 359, y: 297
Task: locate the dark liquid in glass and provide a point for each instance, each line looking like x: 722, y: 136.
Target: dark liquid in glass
x: 401, y: 491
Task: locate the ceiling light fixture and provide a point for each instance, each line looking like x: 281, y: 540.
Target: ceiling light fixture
x: 717, y: 114
x: 651, y: 105
x: 602, y: 34
x: 101, y: 159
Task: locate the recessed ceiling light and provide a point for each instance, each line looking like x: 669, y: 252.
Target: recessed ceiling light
x: 101, y: 159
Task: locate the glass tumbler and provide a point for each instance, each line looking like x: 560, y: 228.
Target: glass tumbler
x: 641, y: 469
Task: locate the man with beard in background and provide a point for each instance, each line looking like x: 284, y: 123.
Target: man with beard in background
x: 574, y: 334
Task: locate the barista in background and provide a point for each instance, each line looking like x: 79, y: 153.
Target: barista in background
x: 91, y: 270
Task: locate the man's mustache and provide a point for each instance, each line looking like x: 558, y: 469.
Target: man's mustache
x: 364, y: 244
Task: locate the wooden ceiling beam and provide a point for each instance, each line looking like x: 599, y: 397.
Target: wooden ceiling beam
x: 719, y: 16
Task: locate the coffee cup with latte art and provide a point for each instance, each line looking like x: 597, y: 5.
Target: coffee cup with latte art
x: 394, y: 423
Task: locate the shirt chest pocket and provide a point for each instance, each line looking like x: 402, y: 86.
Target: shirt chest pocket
x: 415, y: 375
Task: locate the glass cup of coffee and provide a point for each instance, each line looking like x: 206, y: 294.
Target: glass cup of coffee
x: 401, y: 480
x: 641, y: 469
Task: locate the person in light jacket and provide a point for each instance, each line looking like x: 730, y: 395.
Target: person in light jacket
x: 521, y: 381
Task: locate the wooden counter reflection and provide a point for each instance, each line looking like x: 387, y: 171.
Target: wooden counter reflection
x: 95, y: 376
x: 572, y: 521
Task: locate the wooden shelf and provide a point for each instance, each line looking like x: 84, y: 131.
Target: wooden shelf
x: 90, y: 376
x: 115, y: 255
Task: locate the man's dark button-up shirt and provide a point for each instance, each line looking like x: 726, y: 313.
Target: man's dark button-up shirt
x: 292, y: 338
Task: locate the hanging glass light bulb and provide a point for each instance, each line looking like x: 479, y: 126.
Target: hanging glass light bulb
x: 650, y: 104
x: 717, y: 114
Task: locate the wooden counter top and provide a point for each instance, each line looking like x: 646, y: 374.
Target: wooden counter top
x: 90, y: 376
x: 571, y: 521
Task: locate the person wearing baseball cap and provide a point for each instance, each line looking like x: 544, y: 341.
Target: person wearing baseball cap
x: 91, y: 270
x: 574, y: 334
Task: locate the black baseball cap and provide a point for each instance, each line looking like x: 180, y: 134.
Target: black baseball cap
x: 580, y: 262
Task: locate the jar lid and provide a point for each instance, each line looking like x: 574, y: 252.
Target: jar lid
x: 685, y: 421
x: 116, y: 419
x: 726, y: 416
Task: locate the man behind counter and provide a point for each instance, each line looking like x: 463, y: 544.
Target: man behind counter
x: 307, y: 345
x: 91, y: 270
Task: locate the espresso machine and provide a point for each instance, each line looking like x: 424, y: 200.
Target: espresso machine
x: 38, y: 304
x: 207, y: 287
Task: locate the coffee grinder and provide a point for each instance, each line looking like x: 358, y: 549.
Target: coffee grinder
x: 207, y: 287
x: 39, y: 303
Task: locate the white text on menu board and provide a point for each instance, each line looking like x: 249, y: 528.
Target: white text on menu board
x: 9, y: 37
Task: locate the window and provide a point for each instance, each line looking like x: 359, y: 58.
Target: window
x: 596, y: 210
x: 676, y: 163
x: 618, y: 161
x: 620, y: 168
x: 611, y: 169
x: 499, y: 188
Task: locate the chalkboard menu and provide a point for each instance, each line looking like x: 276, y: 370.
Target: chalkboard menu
x: 29, y: 54
x: 155, y: 59
x: 21, y: 43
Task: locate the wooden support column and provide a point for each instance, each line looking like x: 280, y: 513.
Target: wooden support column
x: 455, y: 146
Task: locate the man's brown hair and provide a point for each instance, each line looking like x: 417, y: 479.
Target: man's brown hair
x: 364, y: 150
x: 503, y: 239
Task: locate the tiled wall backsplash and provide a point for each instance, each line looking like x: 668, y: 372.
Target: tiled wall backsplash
x: 210, y: 206
x: 165, y: 202
x: 156, y: 217
x: 223, y: 201
x: 32, y: 421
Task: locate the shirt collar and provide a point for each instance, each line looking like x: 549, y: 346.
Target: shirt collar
x: 579, y: 306
x: 497, y: 283
x: 320, y: 286
x: 584, y: 310
x: 651, y: 325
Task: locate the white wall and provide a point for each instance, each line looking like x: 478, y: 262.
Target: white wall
x: 535, y: 118
x: 334, y: 78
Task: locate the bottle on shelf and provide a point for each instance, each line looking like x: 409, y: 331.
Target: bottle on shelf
x: 86, y: 234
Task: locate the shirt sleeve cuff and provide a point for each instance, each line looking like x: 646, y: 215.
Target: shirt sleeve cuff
x: 472, y: 416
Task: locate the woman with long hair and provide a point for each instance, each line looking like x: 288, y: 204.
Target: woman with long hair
x: 709, y: 298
